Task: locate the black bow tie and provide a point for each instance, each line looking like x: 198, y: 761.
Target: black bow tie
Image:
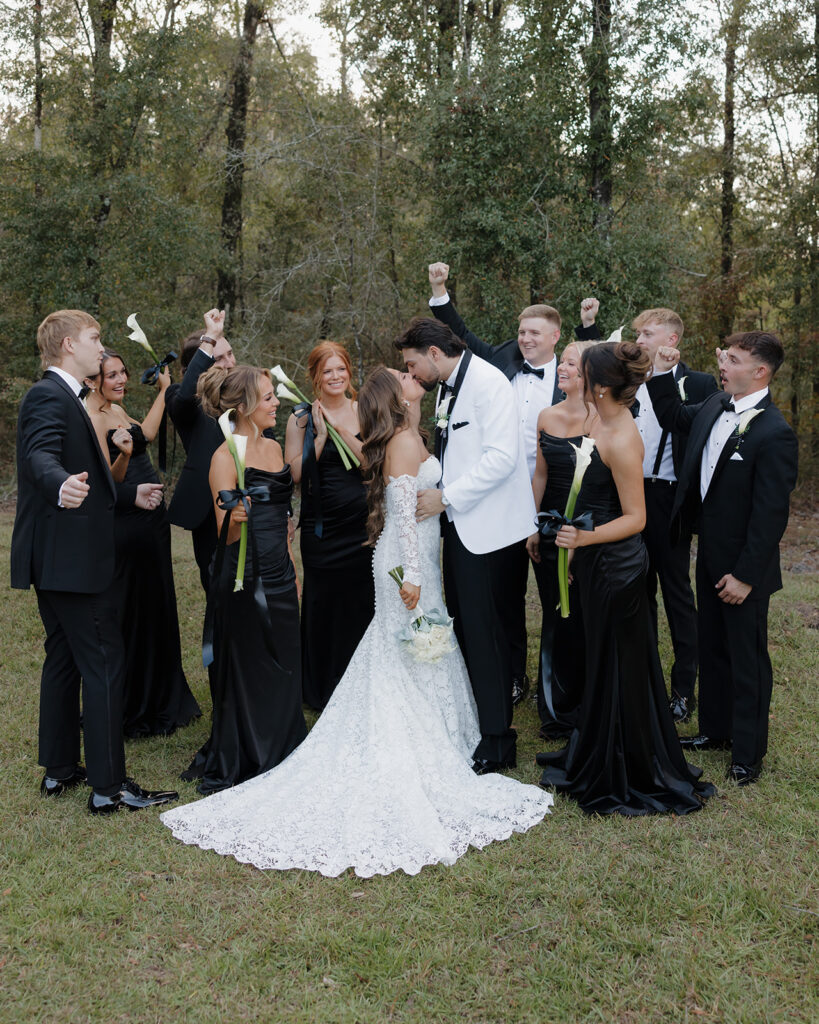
x: 84, y: 390
x: 526, y: 368
x: 728, y: 403
x: 446, y: 389
x: 634, y: 408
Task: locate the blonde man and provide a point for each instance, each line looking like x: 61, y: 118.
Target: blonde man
x: 669, y: 554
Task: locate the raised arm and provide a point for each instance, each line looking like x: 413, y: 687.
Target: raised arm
x: 150, y: 425
x: 443, y: 309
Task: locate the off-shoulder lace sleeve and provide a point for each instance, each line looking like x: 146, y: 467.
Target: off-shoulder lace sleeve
x: 404, y: 498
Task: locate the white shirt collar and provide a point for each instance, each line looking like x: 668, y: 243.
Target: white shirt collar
x: 539, y: 366
x: 454, y: 375
x: 71, y: 381
x: 749, y: 401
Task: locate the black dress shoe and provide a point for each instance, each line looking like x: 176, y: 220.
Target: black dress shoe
x: 743, y: 774
x: 520, y: 688
x: 702, y: 742
x: 681, y: 709
x: 56, y: 787
x: 483, y: 767
x: 131, y: 796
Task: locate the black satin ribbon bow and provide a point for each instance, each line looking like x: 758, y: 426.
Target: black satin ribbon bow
x: 150, y: 375
x: 228, y: 500
x: 548, y: 523
x: 526, y: 368
x: 727, y: 403
x: 309, y: 464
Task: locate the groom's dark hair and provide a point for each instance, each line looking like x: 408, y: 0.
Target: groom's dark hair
x: 423, y: 332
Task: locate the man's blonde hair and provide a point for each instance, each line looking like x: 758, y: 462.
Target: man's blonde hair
x: 65, y: 323
x: 544, y: 312
x: 666, y: 317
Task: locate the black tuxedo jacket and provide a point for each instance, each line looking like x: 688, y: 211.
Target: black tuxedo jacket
x: 698, y: 386
x: 745, y: 510
x: 57, y: 548
x: 507, y: 357
x: 201, y: 436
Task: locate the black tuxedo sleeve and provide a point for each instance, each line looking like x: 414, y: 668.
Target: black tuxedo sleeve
x: 449, y: 315
x: 669, y: 409
x: 589, y: 333
x: 180, y: 400
x: 698, y: 386
x: 775, y: 470
x: 43, y: 429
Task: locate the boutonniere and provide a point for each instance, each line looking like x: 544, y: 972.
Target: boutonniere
x: 745, y: 419
x: 442, y: 413
x: 681, y: 387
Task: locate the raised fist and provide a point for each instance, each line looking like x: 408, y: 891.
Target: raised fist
x: 438, y: 276
x: 588, y: 311
x: 666, y: 358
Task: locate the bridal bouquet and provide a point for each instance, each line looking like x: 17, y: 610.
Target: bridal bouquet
x: 429, y: 634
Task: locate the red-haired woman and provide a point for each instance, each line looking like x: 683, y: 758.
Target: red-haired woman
x: 337, y: 600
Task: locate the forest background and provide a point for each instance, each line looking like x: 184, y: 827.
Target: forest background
x: 162, y: 157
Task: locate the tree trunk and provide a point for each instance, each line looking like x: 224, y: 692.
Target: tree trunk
x: 230, y: 268
x: 728, y: 295
x: 38, y: 82
x: 446, y: 15
x: 601, y: 141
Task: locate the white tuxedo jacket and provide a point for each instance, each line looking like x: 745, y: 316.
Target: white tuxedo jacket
x: 485, y: 477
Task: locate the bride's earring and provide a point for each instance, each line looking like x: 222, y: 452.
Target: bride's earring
x: 406, y: 402
x: 601, y: 394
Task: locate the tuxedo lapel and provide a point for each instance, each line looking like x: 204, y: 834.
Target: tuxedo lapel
x: 731, y: 445
x: 441, y: 435
x: 57, y: 379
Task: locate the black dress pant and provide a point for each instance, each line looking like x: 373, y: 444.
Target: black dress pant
x: 736, y: 678
x: 476, y: 593
x: 83, y: 643
x: 669, y: 561
x: 516, y: 573
x: 204, y: 539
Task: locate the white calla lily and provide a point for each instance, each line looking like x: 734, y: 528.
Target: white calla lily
x: 583, y: 456
x: 681, y: 386
x: 616, y: 336
x: 138, y: 335
x: 283, y: 392
x: 237, y: 446
x: 278, y: 374
x: 745, y: 419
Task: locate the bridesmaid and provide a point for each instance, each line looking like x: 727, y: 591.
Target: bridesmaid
x: 157, y: 697
x: 338, y: 597
x: 623, y: 756
x: 256, y: 677
x: 561, y: 665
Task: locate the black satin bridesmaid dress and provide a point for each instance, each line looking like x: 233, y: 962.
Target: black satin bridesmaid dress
x: 338, y: 595
x: 257, y: 715
x: 157, y: 699
x: 624, y: 756
x: 561, y: 667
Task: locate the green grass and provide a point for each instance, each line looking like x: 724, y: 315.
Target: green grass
x: 712, y: 917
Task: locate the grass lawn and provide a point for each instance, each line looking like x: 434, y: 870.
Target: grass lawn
x: 713, y: 917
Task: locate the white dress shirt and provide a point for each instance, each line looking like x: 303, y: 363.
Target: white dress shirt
x: 651, y: 433
x: 721, y: 431
x: 533, y: 395
x: 450, y: 382
x: 75, y: 386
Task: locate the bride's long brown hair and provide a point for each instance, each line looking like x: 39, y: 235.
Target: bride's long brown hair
x: 381, y: 413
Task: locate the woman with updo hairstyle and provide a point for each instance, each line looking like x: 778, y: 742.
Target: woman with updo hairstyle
x: 157, y: 699
x: 256, y: 676
x: 337, y: 600
x: 623, y: 756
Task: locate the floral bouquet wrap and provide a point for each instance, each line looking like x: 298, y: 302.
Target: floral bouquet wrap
x: 428, y: 635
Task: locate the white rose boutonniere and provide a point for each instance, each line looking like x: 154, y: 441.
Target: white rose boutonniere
x: 681, y: 387
x: 442, y: 413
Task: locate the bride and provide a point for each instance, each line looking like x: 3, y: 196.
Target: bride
x: 384, y: 780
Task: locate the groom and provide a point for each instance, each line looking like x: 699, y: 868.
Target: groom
x: 485, y: 500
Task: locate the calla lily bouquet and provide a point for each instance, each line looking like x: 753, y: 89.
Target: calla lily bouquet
x: 582, y: 461
x: 138, y: 335
x: 237, y: 445
x: 429, y: 634
x: 289, y: 392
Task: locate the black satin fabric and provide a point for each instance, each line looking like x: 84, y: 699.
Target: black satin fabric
x: 157, y: 699
x: 561, y: 669
x: 338, y: 593
x: 257, y: 716
x: 624, y: 757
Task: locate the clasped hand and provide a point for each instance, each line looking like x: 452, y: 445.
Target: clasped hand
x: 429, y: 504
x: 410, y: 595
x: 731, y: 590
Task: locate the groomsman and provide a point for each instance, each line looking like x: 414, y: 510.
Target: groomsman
x: 669, y: 556
x: 486, y: 508
x: 63, y: 544
x: 192, y: 503
x: 739, y: 469
x: 529, y: 362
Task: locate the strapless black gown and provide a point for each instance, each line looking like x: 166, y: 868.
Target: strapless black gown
x: 624, y: 756
x: 338, y: 596
x: 158, y: 699
x: 561, y: 669
x: 257, y: 715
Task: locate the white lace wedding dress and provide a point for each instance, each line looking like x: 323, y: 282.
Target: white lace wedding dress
x: 383, y: 782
